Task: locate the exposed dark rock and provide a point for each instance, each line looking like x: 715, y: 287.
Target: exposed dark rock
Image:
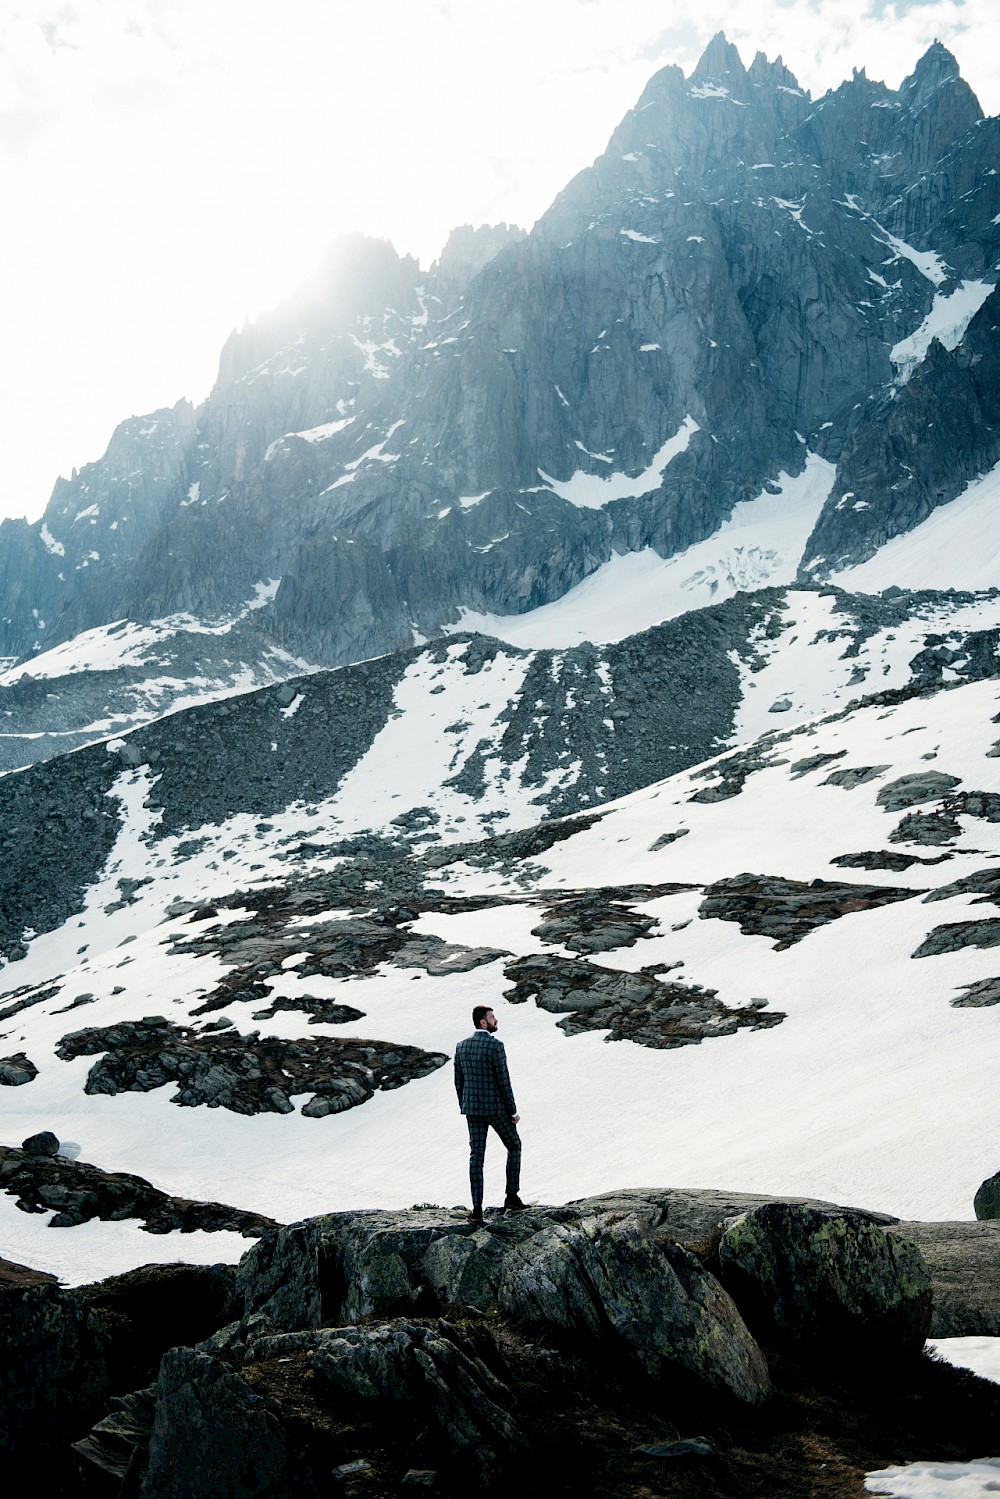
x: 118, y: 1444
x: 814, y: 762
x: 978, y: 995
x: 984, y: 883
x: 883, y: 859
x: 958, y: 934
x: 629, y: 1006
x: 345, y: 1267
x: 246, y: 1074
x: 80, y: 1192
x: 645, y: 1299
x: 17, y: 1070
x: 44, y: 1143
x: 942, y: 825
x: 926, y: 827
x: 320, y: 1011
x: 594, y: 922
x: 27, y: 995
x: 982, y: 804
x: 427, y: 1365
x: 770, y: 906
x: 242, y: 1448
x: 734, y: 770
x: 53, y: 1377
x: 665, y: 839
x: 827, y: 1279
x: 373, y: 1400
x: 156, y: 1307
x: 912, y: 790
x: 986, y: 1203
x: 689, y: 1447
x: 690, y: 1215
x: 855, y: 775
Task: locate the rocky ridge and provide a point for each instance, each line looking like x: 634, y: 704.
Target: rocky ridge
x: 383, y: 1352
x: 726, y: 287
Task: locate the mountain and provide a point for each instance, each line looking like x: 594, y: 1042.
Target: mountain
x: 745, y: 278
x: 602, y: 625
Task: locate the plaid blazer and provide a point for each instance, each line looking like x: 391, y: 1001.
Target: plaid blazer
x: 481, y: 1078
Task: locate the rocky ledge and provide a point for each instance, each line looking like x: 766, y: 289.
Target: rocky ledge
x: 671, y: 1343
x: 79, y: 1192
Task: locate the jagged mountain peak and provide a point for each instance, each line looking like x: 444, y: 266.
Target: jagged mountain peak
x: 467, y: 248
x: 764, y: 71
x: 719, y: 57
x: 937, y: 69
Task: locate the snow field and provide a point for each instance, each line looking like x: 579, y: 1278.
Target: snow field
x: 759, y: 546
x: 854, y: 1097
x: 957, y: 546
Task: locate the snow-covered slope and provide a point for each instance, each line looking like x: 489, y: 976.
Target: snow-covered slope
x: 759, y: 546
x: 114, y: 677
x: 841, y: 1057
x: 957, y: 546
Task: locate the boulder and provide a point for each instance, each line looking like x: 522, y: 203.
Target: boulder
x: 44, y: 1143
x: 964, y: 1263
x: 17, y: 1070
x: 987, y: 1200
x: 690, y: 1213
x: 343, y: 1267
x: 827, y: 1279
x: 213, y: 1438
x: 613, y: 1282
x: 429, y: 1368
x: 465, y: 1270
x: 434, y: 1368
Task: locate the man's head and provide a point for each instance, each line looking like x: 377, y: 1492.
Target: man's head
x: 484, y: 1019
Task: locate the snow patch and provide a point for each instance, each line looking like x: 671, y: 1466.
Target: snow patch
x: 49, y: 542
x: 947, y: 321
x: 592, y: 491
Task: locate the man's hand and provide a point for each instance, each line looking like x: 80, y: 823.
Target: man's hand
x: 515, y: 1118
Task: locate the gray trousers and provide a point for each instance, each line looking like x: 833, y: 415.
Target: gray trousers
x: 479, y: 1127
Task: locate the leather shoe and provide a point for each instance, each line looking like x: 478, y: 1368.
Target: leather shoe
x: 514, y: 1205
x: 476, y: 1216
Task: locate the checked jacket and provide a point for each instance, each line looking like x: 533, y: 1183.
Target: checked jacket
x: 481, y: 1078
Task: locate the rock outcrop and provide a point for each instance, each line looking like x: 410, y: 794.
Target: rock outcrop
x: 987, y: 1199
x: 224, y: 1069
x: 828, y: 1279
x: 77, y: 1192
x: 378, y: 1352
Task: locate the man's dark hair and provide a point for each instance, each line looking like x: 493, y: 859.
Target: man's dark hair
x: 480, y: 1013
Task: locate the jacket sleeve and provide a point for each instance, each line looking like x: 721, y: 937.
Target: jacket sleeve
x: 499, y: 1056
x: 459, y: 1078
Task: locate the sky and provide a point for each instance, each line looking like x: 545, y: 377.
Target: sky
x: 171, y: 168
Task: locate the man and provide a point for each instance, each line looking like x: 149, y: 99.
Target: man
x: 486, y: 1099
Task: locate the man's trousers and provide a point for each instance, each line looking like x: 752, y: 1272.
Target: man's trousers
x: 479, y: 1126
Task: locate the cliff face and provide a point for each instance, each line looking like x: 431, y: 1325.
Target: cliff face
x: 744, y: 274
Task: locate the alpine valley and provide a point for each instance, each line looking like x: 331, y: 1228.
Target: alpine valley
x: 602, y: 625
